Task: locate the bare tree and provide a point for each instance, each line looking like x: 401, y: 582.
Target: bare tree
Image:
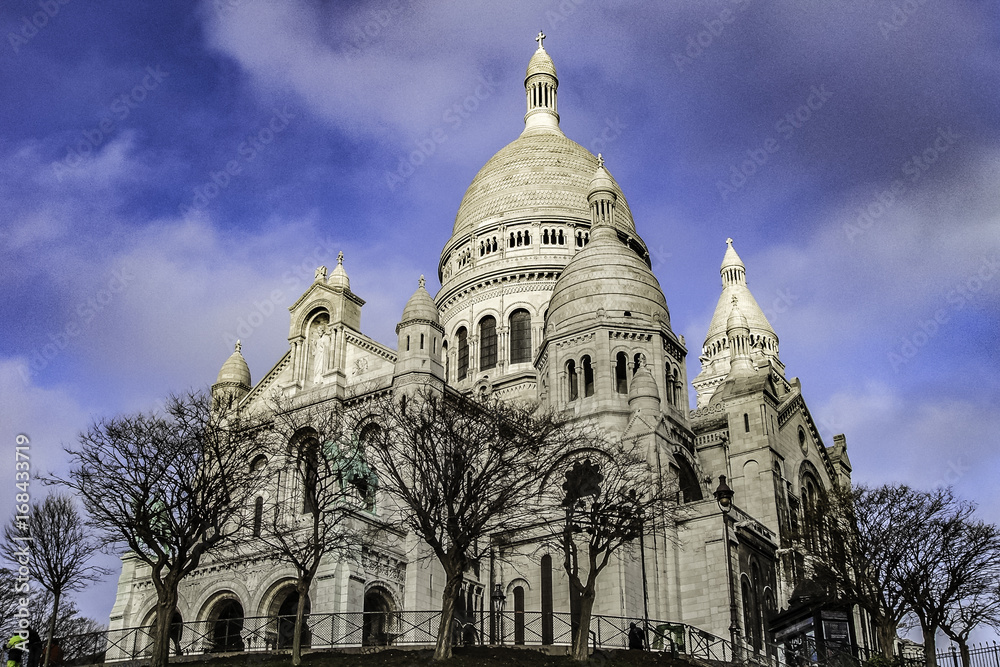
x: 609, y: 496
x: 169, y: 487
x: 10, y: 595
x: 55, y: 544
x: 887, y: 549
x: 328, y: 469
x: 460, y: 469
x: 864, y: 548
x: 953, y: 584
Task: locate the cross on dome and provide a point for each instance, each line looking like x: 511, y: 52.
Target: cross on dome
x: 735, y: 300
x: 540, y: 39
x: 729, y: 241
x: 421, y: 281
x: 239, y: 345
x: 340, y: 257
x: 600, y: 160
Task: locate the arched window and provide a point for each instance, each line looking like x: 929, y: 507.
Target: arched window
x: 520, y: 238
x: 518, y: 614
x: 520, y: 337
x: 546, y: 585
x: 512, y: 239
x: 571, y: 376
x: 527, y: 238
x: 746, y: 422
x: 258, y: 515
x: 545, y: 237
x: 621, y: 373
x: 687, y: 481
x: 463, y: 353
x: 487, y: 343
x: 562, y: 239
x: 588, y: 376
x: 447, y: 361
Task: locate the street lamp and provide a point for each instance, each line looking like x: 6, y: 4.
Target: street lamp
x: 724, y: 496
x: 498, y: 598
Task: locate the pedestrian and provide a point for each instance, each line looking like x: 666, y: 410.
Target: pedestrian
x: 14, y: 649
x: 34, y: 647
x: 636, y: 638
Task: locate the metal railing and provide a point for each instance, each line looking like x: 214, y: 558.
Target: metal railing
x: 419, y: 628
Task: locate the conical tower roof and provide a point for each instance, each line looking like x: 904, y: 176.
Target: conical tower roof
x: 420, y: 306
x: 235, y: 370
x: 734, y: 284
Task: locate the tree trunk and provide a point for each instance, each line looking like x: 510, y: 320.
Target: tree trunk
x: 300, y: 612
x: 963, y: 649
x: 886, y: 632
x: 52, y: 626
x: 581, y: 638
x: 442, y: 651
x: 930, y: 646
x: 161, y: 627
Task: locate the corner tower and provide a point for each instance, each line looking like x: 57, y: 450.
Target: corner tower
x: 759, y: 339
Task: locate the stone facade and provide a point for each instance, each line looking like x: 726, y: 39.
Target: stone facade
x: 547, y: 293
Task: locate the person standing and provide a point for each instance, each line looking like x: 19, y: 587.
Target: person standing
x: 636, y: 638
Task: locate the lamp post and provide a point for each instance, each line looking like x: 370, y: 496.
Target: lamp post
x: 724, y: 496
x: 498, y: 598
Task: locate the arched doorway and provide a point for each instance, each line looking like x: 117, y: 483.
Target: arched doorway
x: 176, y: 632
x: 378, y: 619
x: 286, y: 621
x: 226, y: 622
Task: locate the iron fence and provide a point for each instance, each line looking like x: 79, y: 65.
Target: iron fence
x: 419, y: 628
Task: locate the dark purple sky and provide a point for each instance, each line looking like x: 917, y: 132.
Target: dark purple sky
x: 172, y: 173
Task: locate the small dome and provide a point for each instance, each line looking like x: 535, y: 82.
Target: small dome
x: 420, y: 306
x: 643, y: 393
x: 602, y: 181
x: 235, y: 370
x: 736, y: 319
x: 731, y: 259
x: 338, y: 278
x: 606, y: 276
x: 540, y: 63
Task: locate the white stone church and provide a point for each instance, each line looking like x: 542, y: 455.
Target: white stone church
x: 547, y: 293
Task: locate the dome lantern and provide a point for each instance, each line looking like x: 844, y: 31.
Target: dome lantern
x: 540, y: 84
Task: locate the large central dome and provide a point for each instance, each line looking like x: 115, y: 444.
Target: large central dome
x: 537, y: 174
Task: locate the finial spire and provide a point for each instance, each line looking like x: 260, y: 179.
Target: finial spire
x: 239, y: 346
x: 540, y: 38
x: 421, y: 281
x: 729, y: 241
x: 600, y: 160
x: 735, y: 301
x: 340, y: 257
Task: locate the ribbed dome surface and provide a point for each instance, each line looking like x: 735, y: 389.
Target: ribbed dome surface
x: 544, y: 171
x: 235, y: 370
x: 420, y: 306
x: 540, y: 63
x: 606, y: 275
x: 755, y: 319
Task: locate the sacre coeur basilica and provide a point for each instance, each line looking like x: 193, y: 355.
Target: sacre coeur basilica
x: 547, y: 294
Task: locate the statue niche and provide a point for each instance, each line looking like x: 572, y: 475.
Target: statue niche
x: 319, y: 355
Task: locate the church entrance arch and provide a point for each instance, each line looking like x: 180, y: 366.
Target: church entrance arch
x: 378, y: 617
x: 225, y: 622
x: 287, y: 601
